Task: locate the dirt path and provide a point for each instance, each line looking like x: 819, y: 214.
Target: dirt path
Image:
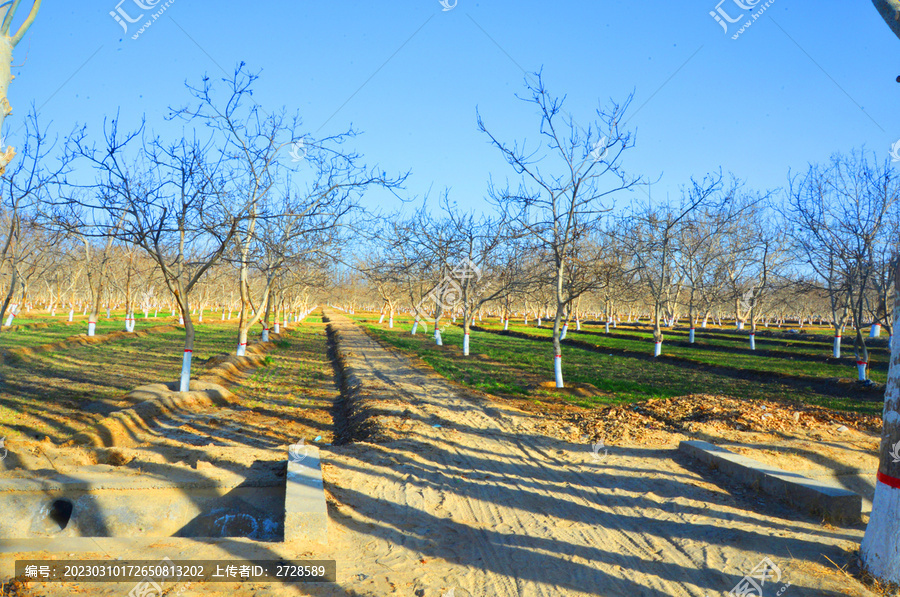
x: 449, y: 494
x: 484, y: 504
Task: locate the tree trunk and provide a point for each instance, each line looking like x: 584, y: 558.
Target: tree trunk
x: 880, y: 548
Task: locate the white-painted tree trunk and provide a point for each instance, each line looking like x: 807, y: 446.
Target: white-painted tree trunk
x: 381, y: 319
x: 691, y: 338
x: 9, y: 319
x: 265, y: 335
x: 506, y: 325
x: 557, y: 370
x: 223, y: 315
x: 837, y: 347
x: 181, y: 320
x: 607, y: 326
x: 185, y: 384
x: 277, y: 329
x: 466, y: 344
x: 71, y: 315
x: 657, y: 349
x: 740, y: 325
x: 391, y: 322
x: 92, y: 327
x: 539, y: 322
x: 875, y: 331
x: 880, y: 549
x: 415, y: 327
x: 242, y: 349
x: 437, y: 337
x: 752, y: 341
x: 565, y: 330
x: 861, y: 369
x: 577, y: 325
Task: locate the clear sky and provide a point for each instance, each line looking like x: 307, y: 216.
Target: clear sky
x: 795, y: 87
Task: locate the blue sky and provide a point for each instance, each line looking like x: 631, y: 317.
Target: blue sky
x: 795, y: 87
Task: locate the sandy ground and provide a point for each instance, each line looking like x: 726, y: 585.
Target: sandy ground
x: 454, y: 494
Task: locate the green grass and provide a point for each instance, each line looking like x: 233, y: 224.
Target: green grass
x: 506, y: 365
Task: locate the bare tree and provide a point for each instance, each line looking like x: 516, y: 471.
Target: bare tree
x: 8, y: 41
x: 562, y: 187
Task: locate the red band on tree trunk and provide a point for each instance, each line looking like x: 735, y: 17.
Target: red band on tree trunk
x: 861, y: 363
x: 888, y: 480
x: 243, y: 344
x: 559, y: 356
x: 188, y: 350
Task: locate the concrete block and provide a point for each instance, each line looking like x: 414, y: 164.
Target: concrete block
x: 305, y: 512
x: 816, y: 497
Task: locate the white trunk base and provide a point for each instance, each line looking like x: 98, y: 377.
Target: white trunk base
x: 837, y: 347
x: 539, y: 322
x: 880, y: 549
x: 557, y: 370
x: 381, y: 319
x: 71, y: 316
x: 185, y: 384
x: 565, y: 330
x: 875, y: 331
x: 92, y: 327
x: 691, y: 340
x: 437, y: 338
x: 740, y: 325
x: 277, y: 328
x: 506, y: 325
x: 415, y: 327
x: 752, y: 341
x: 242, y: 349
x: 391, y: 322
x: 577, y: 326
x: 861, y: 369
x: 607, y: 327
x: 657, y: 349
x: 265, y: 335
x: 466, y: 344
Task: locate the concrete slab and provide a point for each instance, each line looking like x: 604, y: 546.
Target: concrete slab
x: 816, y: 497
x: 305, y: 511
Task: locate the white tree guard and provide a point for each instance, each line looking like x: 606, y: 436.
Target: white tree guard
x: 437, y: 337
x: 752, y: 341
x: 92, y: 327
x: 557, y: 370
x: 466, y: 344
x: 185, y: 384
x: 242, y: 349
x: 391, y: 322
x: 415, y: 327
x: 875, y: 331
x: 265, y: 335
x: 506, y: 325
x: 565, y: 330
x: 71, y: 315
x: 277, y: 329
x: 837, y: 347
x: 861, y: 369
x: 691, y: 337
x: 657, y: 349
x: 381, y: 319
